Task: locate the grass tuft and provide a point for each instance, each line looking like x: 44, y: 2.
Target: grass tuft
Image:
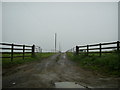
x: 108, y: 64
x: 6, y: 62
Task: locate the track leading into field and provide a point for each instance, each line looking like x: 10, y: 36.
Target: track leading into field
x: 55, y: 69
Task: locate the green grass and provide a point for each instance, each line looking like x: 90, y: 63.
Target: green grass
x: 107, y: 64
x: 6, y: 62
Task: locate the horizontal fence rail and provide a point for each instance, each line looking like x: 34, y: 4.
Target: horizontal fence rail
x: 87, y: 49
x: 17, y: 49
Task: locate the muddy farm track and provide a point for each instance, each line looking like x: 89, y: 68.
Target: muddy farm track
x: 57, y: 68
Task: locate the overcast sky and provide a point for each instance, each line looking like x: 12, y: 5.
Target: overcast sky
x: 0, y: 22
x: 75, y: 23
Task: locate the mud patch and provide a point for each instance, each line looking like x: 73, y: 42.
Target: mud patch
x: 56, y: 70
x: 67, y: 85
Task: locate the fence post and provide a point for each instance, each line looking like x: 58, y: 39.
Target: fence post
x: 118, y: 45
x: 118, y: 50
x: 12, y: 47
x: 87, y: 49
x: 23, y: 51
x: 100, y: 50
x: 33, y: 50
x: 77, y: 50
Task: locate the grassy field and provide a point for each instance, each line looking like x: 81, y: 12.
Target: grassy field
x: 6, y: 62
x: 107, y: 64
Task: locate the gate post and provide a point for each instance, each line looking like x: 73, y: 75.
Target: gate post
x: 118, y: 45
x: 12, y: 48
x: 100, y: 49
x: 23, y: 51
x: 77, y: 50
x: 33, y: 51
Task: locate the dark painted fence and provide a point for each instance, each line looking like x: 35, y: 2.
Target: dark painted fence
x: 21, y: 49
x: 87, y: 49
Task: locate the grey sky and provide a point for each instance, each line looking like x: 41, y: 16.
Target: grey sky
x: 119, y: 21
x: 75, y: 23
x: 0, y: 41
x: 0, y: 24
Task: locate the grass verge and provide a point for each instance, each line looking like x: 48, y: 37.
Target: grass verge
x: 107, y: 64
x: 6, y: 62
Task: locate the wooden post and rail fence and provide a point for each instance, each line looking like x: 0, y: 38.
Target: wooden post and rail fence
x: 21, y: 49
x: 87, y: 49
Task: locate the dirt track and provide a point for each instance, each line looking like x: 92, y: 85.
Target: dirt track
x: 57, y: 68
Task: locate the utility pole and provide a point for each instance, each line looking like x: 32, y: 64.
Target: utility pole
x: 55, y: 41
